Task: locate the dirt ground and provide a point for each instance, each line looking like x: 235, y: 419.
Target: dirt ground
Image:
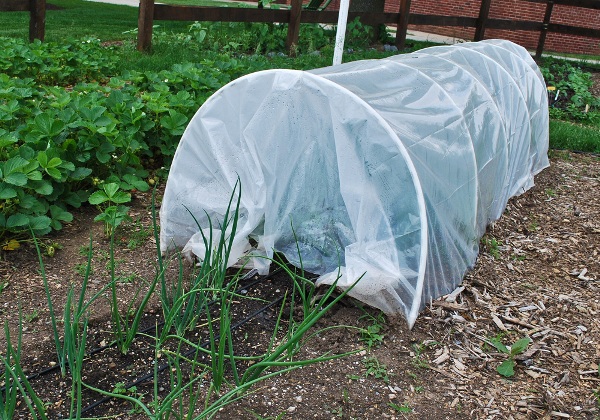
x: 537, y: 276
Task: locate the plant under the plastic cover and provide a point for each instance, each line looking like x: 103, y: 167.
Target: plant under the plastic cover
x: 389, y: 168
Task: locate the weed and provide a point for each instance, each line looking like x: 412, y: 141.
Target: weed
x: 506, y: 368
x: 84, y: 250
x: 130, y: 278
x: 376, y: 369
x: 119, y: 388
x: 136, y: 234
x: 533, y: 225
x: 412, y: 375
x: 371, y: 335
x: 345, y: 396
x: 559, y: 154
x: 259, y: 417
x: 81, y: 269
x: 419, y: 360
x: 3, y: 286
x: 338, y: 411
x: 550, y: 192
x: 492, y: 245
x: 402, y: 408
x: 33, y: 316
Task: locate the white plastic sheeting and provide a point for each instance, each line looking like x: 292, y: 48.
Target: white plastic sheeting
x: 387, y: 169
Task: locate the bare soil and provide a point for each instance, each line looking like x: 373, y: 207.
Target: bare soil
x: 538, y: 275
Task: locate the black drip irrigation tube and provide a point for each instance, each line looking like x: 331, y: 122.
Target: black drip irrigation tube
x: 150, y: 328
x: 161, y: 368
x: 165, y: 366
x: 579, y: 152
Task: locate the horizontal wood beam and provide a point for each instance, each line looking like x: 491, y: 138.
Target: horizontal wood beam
x: 435, y: 20
x: 235, y: 14
x: 232, y: 14
x: 219, y: 14
x: 14, y: 5
x: 515, y: 25
x: 22, y: 6
x: 588, y: 4
x: 574, y: 30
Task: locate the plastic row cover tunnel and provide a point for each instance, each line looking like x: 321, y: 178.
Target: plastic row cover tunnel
x: 387, y: 169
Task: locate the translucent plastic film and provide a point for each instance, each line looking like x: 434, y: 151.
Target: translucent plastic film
x: 383, y: 170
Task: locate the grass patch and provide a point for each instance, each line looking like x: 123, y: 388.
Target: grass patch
x: 570, y: 136
x: 80, y: 19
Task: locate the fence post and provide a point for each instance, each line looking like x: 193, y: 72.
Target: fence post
x: 37, y: 19
x: 293, y: 33
x: 402, y: 25
x: 544, y: 31
x: 484, y: 12
x: 145, y: 22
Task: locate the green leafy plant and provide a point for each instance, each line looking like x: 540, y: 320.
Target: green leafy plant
x: 419, y: 360
x: 492, y: 245
x: 506, y: 368
x: 571, y: 95
x: 358, y: 34
x: 34, y: 315
x: 372, y: 335
x: 401, y: 408
x: 110, y: 199
x: 135, y: 234
x: 376, y: 369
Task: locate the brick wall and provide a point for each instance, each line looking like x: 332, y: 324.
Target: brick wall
x: 516, y: 10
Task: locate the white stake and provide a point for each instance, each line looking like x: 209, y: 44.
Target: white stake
x: 340, y: 35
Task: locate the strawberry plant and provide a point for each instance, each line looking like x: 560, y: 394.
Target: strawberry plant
x: 55, y: 133
x: 110, y: 199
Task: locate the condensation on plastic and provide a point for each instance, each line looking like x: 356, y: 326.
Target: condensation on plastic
x: 386, y: 169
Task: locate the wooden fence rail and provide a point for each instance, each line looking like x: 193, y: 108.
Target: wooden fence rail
x: 37, y: 14
x: 149, y: 12
x: 296, y: 15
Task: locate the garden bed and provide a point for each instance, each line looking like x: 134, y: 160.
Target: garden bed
x: 537, y: 275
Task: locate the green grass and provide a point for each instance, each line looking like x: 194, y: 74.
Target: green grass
x: 80, y: 19
x: 587, y: 61
x: 570, y: 136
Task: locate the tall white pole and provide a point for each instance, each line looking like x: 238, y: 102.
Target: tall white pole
x: 340, y: 35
